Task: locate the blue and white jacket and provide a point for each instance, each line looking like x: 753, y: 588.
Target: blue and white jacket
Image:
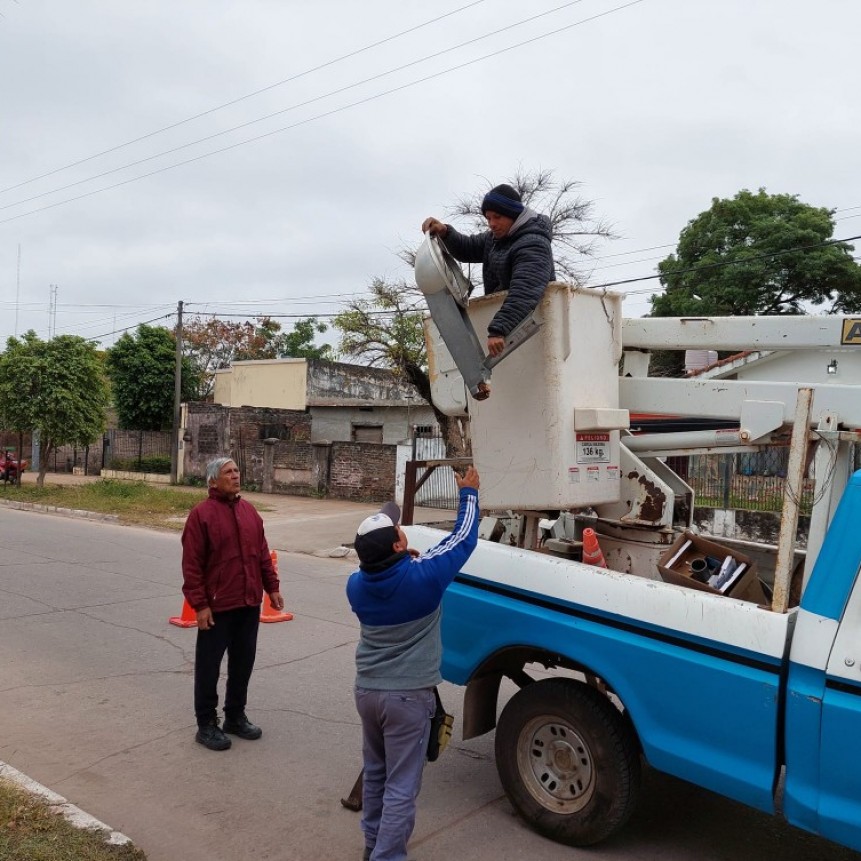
x: 399, y: 608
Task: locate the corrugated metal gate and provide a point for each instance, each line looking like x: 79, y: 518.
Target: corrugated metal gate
x: 440, y: 490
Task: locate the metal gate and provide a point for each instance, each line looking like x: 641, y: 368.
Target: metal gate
x: 440, y: 490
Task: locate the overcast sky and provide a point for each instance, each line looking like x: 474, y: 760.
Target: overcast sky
x: 655, y: 108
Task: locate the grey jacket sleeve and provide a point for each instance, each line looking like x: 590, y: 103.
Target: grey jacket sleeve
x: 466, y: 249
x: 531, y: 271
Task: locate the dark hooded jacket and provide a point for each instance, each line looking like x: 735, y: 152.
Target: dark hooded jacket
x: 521, y: 263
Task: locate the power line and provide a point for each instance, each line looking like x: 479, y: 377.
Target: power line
x: 392, y: 312
x: 325, y: 114
x: 295, y: 77
x: 726, y: 262
x: 675, y: 244
x: 128, y: 328
x: 288, y: 109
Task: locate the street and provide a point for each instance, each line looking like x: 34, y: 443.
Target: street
x: 96, y: 693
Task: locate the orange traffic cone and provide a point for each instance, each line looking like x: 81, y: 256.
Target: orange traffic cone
x: 268, y: 613
x: 592, y: 554
x: 188, y: 619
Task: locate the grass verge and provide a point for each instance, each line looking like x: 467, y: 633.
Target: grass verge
x: 134, y: 502
x: 31, y: 831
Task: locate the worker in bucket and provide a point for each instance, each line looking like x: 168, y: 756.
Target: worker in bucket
x: 515, y: 254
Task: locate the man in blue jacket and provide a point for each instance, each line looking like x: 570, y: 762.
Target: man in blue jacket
x: 396, y: 594
x: 515, y: 254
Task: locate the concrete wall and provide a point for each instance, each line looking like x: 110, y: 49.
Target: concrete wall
x: 337, y: 382
x: 274, y: 383
x: 808, y: 365
x: 336, y: 423
x: 760, y: 526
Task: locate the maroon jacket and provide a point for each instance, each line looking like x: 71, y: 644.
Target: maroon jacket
x: 225, y: 557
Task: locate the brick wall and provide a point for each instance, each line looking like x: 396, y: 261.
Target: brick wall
x: 213, y: 430
x: 358, y: 471
x: 362, y: 471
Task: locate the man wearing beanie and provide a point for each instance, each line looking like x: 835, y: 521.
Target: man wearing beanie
x: 396, y: 594
x: 515, y: 255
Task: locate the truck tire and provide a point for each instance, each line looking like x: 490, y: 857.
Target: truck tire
x: 568, y: 760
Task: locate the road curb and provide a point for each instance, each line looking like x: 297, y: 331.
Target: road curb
x: 72, y: 814
x: 81, y: 513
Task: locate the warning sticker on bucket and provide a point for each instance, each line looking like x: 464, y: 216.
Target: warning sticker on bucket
x: 593, y: 448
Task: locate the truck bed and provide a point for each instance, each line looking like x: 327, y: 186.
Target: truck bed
x: 698, y: 652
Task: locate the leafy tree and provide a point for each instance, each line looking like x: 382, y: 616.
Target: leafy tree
x: 141, y: 368
x: 386, y: 330
x: 213, y: 344
x: 299, y: 344
x: 759, y: 253
x: 55, y: 387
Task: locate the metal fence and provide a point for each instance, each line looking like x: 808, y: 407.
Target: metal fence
x: 748, y: 482
x: 440, y: 490
x: 136, y: 451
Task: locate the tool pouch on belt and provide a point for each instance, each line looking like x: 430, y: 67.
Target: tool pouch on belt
x: 440, y: 730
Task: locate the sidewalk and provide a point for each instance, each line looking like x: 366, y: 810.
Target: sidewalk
x: 296, y: 524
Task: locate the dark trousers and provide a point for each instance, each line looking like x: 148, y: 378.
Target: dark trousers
x: 235, y: 631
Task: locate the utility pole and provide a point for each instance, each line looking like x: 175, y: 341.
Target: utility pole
x: 52, y: 311
x: 177, y: 394
x: 18, y: 290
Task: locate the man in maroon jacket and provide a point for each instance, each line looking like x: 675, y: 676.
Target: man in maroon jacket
x: 225, y: 568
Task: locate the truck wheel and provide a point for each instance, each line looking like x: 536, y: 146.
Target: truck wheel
x: 568, y: 761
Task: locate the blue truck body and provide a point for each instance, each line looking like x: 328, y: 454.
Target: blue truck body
x: 722, y: 693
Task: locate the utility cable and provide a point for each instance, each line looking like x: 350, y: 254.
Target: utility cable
x: 325, y: 114
x: 286, y: 110
x: 295, y: 77
x: 722, y: 263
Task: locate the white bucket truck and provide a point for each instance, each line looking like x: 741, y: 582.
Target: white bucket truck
x: 647, y: 664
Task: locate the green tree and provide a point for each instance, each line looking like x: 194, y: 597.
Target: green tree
x: 55, y: 387
x: 299, y: 343
x: 759, y: 253
x: 386, y: 329
x: 213, y: 344
x: 141, y: 368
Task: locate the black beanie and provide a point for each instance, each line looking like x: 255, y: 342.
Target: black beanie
x: 503, y: 200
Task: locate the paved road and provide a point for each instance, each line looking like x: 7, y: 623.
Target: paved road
x: 95, y: 702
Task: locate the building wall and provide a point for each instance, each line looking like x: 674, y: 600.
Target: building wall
x: 342, y: 470
x: 338, y: 381
x: 336, y: 423
x: 362, y: 471
x: 213, y: 430
x: 274, y: 383
x: 809, y: 366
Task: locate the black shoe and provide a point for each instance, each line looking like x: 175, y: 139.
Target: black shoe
x: 242, y: 727
x: 211, y: 737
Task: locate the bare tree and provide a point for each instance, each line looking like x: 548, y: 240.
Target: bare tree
x: 577, y: 232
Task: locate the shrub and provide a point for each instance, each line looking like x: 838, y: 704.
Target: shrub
x: 155, y: 463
